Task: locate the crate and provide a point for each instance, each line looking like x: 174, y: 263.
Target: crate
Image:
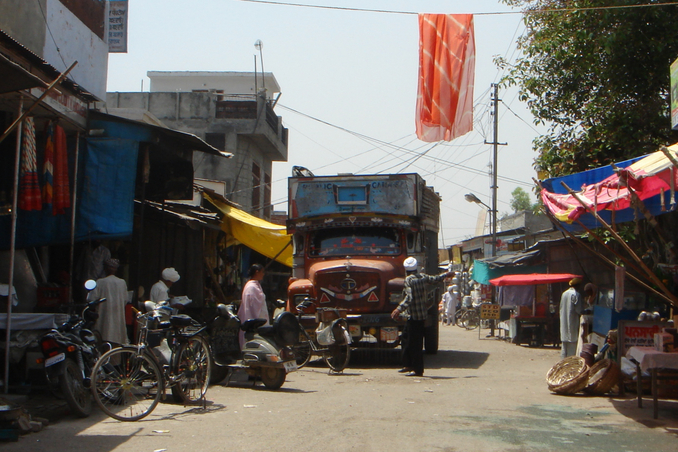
x: 327, y: 315
x: 50, y: 297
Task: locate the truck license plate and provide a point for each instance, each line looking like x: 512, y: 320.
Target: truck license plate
x: 55, y: 359
x: 388, y: 333
x: 290, y: 366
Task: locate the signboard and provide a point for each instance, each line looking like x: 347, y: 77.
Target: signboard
x: 490, y: 311
x: 632, y: 333
x: 117, y: 26
x: 674, y: 95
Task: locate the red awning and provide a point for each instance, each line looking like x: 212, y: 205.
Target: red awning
x: 532, y: 278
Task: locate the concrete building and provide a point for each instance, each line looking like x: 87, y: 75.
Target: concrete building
x: 232, y: 111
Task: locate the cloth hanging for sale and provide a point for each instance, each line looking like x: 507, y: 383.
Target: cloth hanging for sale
x: 48, y: 167
x: 446, y: 76
x: 62, y: 199
x: 29, y: 187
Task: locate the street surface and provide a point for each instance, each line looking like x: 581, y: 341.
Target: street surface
x: 476, y: 395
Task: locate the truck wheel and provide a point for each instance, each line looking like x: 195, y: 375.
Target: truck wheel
x: 431, y: 334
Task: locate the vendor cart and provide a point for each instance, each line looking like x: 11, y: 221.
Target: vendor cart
x: 534, y: 320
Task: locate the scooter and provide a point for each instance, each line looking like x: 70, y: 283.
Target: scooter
x: 267, y: 354
x: 69, y: 354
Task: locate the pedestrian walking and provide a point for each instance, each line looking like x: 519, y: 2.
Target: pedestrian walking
x: 414, y: 302
x: 450, y: 302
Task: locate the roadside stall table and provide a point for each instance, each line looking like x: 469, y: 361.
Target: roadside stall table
x: 649, y: 359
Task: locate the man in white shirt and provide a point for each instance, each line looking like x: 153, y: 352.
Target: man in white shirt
x: 111, y: 322
x: 160, y: 290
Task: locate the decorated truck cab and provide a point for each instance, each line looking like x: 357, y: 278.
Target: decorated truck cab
x: 351, y: 234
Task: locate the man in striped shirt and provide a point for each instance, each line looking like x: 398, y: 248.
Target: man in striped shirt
x: 414, y: 302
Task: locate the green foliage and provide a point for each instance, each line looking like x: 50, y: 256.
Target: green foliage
x: 599, y: 79
x: 520, y: 200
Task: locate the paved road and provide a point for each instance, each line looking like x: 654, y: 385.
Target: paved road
x: 477, y: 394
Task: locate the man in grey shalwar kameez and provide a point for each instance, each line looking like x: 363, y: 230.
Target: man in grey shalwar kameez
x: 571, y: 307
x: 111, y: 322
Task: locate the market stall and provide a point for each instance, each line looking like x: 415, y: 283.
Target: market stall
x: 534, y: 320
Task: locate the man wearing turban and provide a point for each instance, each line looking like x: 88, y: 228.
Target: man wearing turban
x: 160, y: 290
x: 111, y: 322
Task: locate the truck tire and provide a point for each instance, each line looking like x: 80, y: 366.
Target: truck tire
x: 431, y: 334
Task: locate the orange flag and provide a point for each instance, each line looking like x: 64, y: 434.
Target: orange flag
x: 446, y: 73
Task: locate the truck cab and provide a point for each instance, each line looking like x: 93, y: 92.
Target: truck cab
x: 351, y: 235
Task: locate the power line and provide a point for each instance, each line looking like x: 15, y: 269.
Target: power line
x: 490, y: 13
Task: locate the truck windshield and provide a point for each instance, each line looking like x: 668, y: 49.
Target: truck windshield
x: 354, y: 242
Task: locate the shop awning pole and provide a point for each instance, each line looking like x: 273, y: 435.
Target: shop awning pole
x: 74, y: 201
x: 37, y: 102
x: 12, y: 250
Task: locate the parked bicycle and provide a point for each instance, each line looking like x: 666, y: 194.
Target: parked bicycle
x: 332, y: 339
x: 129, y: 381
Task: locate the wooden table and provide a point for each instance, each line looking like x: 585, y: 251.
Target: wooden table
x: 649, y: 359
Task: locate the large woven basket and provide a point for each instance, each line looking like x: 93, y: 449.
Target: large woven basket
x: 603, y: 376
x: 569, y: 376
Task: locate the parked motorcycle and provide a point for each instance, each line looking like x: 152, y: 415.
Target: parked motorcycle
x: 267, y: 354
x: 70, y: 352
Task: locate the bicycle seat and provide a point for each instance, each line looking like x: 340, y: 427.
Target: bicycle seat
x: 180, y: 320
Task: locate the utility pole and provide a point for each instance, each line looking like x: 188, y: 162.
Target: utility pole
x: 495, y: 143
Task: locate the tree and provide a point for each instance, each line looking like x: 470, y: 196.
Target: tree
x: 598, y: 78
x: 520, y: 200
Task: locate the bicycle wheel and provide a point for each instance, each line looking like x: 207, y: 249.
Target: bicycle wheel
x: 302, y: 352
x: 472, y: 320
x: 127, y: 385
x: 339, y: 353
x: 192, y: 367
x: 458, y: 316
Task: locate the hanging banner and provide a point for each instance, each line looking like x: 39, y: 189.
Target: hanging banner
x: 117, y: 26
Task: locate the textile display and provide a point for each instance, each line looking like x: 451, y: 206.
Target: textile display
x: 446, y: 76
x: 29, y: 186
x: 48, y: 167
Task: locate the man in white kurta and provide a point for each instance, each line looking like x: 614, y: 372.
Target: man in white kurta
x: 450, y: 302
x: 571, y: 307
x: 111, y: 322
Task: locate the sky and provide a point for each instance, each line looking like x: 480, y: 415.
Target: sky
x: 349, y: 85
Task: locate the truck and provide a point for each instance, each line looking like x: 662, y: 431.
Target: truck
x: 350, y: 235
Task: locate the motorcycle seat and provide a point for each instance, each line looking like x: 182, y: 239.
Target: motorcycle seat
x: 268, y: 331
x: 252, y: 324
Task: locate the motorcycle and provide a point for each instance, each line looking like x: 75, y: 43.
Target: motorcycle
x: 69, y: 354
x: 267, y: 354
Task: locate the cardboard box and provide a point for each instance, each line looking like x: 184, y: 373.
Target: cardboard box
x: 663, y: 342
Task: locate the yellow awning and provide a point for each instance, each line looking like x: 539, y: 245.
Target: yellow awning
x: 265, y: 238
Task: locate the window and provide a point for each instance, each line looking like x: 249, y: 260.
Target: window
x: 267, y: 196
x: 355, y: 242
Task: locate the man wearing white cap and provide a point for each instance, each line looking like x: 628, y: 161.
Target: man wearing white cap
x: 450, y: 302
x: 111, y: 321
x: 160, y: 290
x: 414, y: 301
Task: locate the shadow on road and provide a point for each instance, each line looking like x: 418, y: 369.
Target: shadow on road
x: 668, y: 412
x: 444, y: 359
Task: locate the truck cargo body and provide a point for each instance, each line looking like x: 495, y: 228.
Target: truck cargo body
x: 351, y: 235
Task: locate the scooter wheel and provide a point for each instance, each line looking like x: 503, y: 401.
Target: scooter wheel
x: 273, y: 377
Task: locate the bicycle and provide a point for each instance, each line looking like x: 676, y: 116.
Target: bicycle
x: 129, y: 381
x: 333, y: 341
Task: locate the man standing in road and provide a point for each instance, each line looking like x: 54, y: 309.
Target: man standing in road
x: 414, y: 302
x: 571, y: 307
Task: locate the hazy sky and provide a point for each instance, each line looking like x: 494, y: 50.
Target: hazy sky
x: 356, y: 71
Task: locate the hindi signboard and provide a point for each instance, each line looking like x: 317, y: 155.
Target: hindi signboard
x: 117, y: 26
